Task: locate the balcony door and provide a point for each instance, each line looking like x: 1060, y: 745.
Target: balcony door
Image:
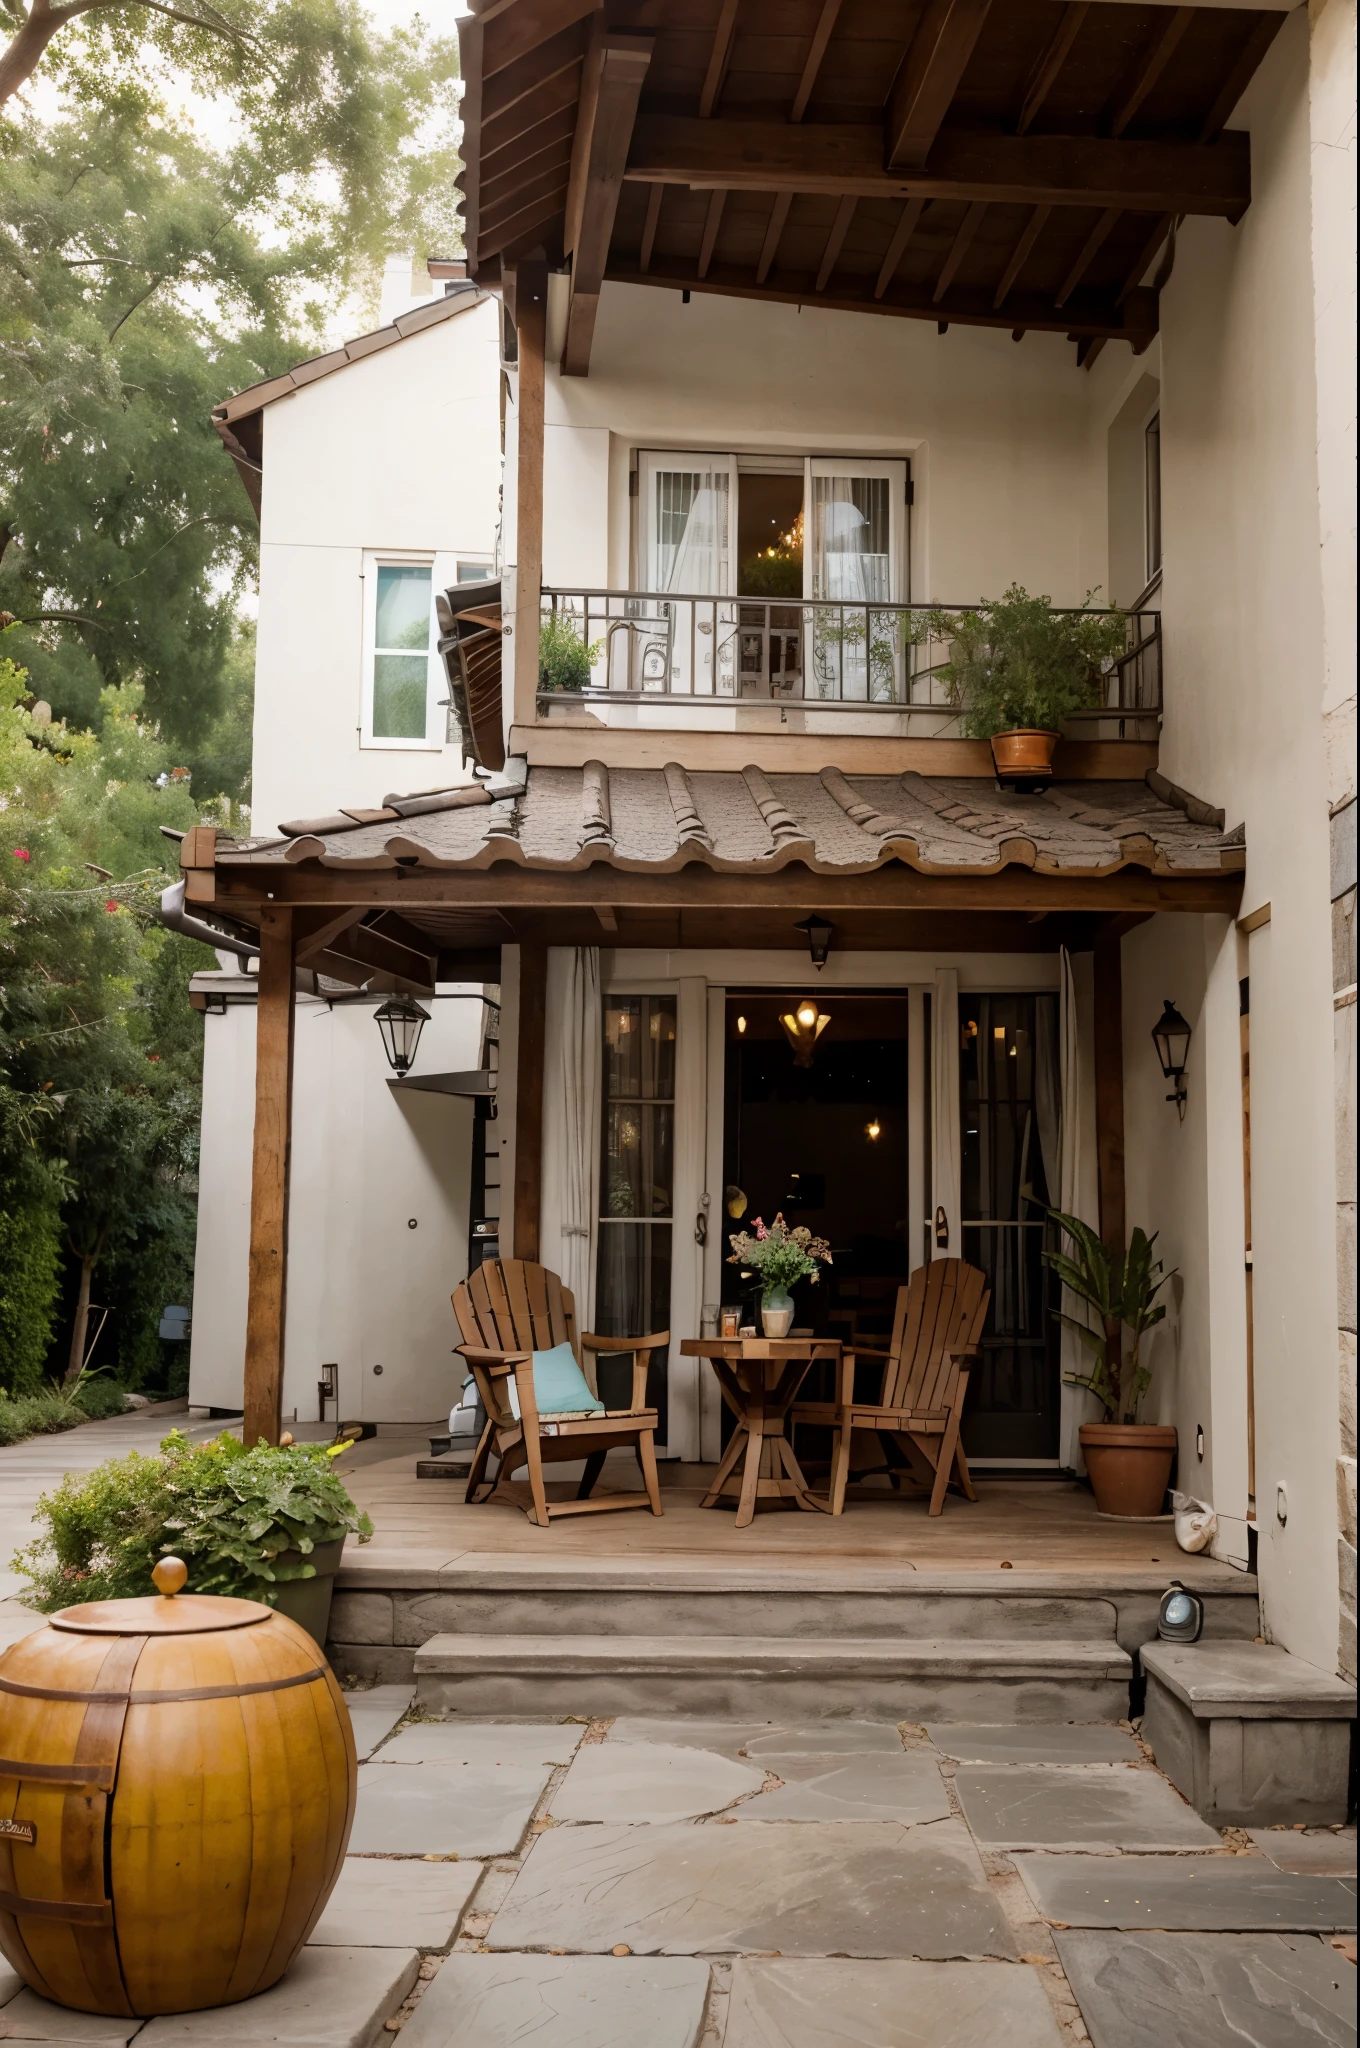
x: 854, y: 560
x: 687, y: 536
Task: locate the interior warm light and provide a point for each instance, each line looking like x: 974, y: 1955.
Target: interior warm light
x: 803, y: 1026
x: 741, y: 1024
x: 873, y: 1129
x: 998, y: 1031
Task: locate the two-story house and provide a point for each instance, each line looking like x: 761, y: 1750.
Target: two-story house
x: 807, y: 334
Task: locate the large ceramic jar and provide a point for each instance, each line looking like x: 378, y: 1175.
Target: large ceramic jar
x: 177, y: 1782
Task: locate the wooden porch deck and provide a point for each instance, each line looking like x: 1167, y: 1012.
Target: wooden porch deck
x: 424, y: 1526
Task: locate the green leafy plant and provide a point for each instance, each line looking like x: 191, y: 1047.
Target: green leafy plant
x: 244, y: 1521
x: 1018, y: 664
x: 564, y: 658
x: 780, y: 1255
x: 88, y: 1398
x: 1119, y: 1293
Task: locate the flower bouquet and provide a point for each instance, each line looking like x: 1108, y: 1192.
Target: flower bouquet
x: 780, y: 1256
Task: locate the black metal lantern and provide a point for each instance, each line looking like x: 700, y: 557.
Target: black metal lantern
x: 819, y: 934
x: 401, y: 1022
x: 1171, y: 1036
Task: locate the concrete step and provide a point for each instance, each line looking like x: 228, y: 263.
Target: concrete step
x: 382, y: 1613
x: 858, y: 1677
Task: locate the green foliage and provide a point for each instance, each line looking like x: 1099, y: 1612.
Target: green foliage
x: 100, y: 1055
x: 1119, y: 1294
x: 564, y: 659
x: 144, y: 277
x: 1017, y: 664
x: 775, y: 572
x: 57, y: 1408
x: 230, y: 1513
x: 781, y: 1256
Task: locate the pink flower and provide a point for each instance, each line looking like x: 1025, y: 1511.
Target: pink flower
x: 761, y: 1232
x: 111, y: 905
x: 22, y: 853
x: 153, y: 1055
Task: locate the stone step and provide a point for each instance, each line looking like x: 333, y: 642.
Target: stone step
x: 859, y: 1677
x: 382, y: 1613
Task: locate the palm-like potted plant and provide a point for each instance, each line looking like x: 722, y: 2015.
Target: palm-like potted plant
x: 780, y: 1256
x: 1018, y: 669
x: 1129, y: 1461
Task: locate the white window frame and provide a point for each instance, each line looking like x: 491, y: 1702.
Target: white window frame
x: 443, y: 571
x: 892, y: 468
x: 653, y: 462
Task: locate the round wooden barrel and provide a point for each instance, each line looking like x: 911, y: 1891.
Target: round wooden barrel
x: 177, y: 1782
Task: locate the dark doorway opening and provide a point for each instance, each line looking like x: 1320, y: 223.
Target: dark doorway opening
x: 770, y: 535
x: 826, y: 1143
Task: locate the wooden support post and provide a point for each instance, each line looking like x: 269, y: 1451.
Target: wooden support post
x: 533, y: 999
x: 1109, y: 1034
x: 269, y: 1178
x: 531, y: 308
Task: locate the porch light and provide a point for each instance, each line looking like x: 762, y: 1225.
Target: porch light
x: 873, y: 1129
x: 803, y: 1026
x: 1171, y: 1036
x: 819, y: 935
x: 401, y: 1022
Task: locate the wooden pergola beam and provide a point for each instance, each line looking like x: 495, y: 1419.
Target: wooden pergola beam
x: 509, y: 33
x: 611, y: 82
x: 821, y: 36
x: 930, y: 75
x: 1045, y: 72
x: 270, y: 1159
x: 719, y: 58
x: 531, y: 309
x: 1151, y: 69
x: 840, y: 158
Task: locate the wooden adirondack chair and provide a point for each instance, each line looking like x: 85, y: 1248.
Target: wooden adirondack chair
x: 506, y: 1310
x: 937, y: 1332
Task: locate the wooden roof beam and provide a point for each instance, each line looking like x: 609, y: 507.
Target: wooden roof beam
x: 968, y: 227
x: 821, y: 36
x: 769, y: 248
x: 1045, y: 72
x: 1020, y: 254
x: 1090, y: 248
x: 1153, y: 65
x: 719, y: 59
x: 611, y: 83
x: 509, y: 33
x: 843, y: 159
x: 1263, y: 33
x: 540, y: 67
x: 712, y: 222
x: 649, y: 225
x: 902, y: 234
x: 930, y: 75
x: 835, y: 241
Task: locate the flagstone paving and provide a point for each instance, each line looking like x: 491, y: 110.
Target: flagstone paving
x: 1209, y: 1990
x: 562, y: 2002
x: 1016, y: 1806
x: 841, y: 2004
x: 1035, y: 1743
x: 799, y: 1888
x: 443, y: 1809
x: 573, y: 1886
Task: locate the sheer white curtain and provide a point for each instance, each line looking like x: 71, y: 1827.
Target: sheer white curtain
x: 692, y: 531
x: 851, y: 564
x: 1069, y: 1166
x: 573, y: 1053
x: 945, y: 1148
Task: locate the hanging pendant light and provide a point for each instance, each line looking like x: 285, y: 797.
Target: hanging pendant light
x: 401, y: 1021
x: 803, y: 1026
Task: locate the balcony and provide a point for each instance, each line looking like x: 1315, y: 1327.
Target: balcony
x: 821, y: 665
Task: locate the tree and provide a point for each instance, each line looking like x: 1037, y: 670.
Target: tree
x: 100, y: 1056
x: 144, y: 277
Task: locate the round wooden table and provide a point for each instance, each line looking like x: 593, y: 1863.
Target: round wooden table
x: 760, y: 1378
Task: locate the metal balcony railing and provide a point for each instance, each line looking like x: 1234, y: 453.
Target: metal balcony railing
x: 815, y: 652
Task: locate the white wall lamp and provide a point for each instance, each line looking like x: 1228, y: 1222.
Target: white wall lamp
x: 401, y: 1021
x: 1171, y: 1036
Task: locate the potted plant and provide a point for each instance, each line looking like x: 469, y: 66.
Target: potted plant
x: 1018, y: 669
x: 780, y: 1256
x: 266, y: 1524
x: 1129, y: 1461
x: 564, y: 659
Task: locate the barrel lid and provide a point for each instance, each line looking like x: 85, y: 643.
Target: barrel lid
x: 170, y: 1615
x: 189, y: 1614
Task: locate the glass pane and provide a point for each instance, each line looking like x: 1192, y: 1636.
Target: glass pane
x: 475, y: 572
x: 691, y: 540
x: 638, y: 1145
x: 661, y: 1045
x: 633, y: 1298
x: 400, y: 694
x: 1009, y: 1117
x: 850, y: 527
x: 403, y: 606
x: 623, y: 1046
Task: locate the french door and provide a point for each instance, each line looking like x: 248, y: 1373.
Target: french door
x: 854, y: 560
x: 687, y: 548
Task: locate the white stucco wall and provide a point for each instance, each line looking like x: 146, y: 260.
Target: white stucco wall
x: 365, y: 1289
x: 1006, y: 485
x: 399, y: 451
x: 1244, y: 729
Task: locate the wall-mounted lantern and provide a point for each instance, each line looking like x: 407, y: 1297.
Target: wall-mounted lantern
x: 1171, y: 1036
x: 401, y: 1021
x: 819, y: 936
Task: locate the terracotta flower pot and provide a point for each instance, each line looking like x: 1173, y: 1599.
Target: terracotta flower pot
x: 1129, y: 1464
x: 1024, y: 752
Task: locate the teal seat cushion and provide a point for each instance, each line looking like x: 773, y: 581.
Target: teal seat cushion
x: 560, y: 1386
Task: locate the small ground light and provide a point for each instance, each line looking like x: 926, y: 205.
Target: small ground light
x: 1180, y: 1616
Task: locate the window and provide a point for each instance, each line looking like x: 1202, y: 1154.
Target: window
x: 1152, y: 493
x: 476, y: 572
x: 633, y: 1281
x: 402, y: 664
